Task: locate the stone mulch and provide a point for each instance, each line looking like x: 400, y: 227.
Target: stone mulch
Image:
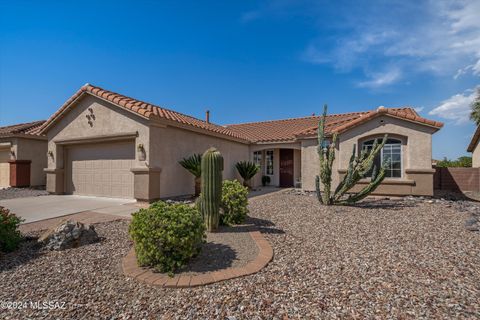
x: 10, y: 193
x: 386, y: 259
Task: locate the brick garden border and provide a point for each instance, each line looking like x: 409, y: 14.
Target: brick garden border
x: 131, y: 269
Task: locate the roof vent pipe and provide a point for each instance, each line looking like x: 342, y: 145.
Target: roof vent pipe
x: 207, y: 116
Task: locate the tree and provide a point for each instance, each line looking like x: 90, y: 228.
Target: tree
x: 464, y: 161
x: 475, y: 113
x: 359, y: 166
x: 194, y: 165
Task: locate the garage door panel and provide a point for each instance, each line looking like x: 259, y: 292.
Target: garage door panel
x: 101, y: 170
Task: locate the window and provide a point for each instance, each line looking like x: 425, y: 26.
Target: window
x: 269, y: 162
x: 392, y: 151
x: 257, y: 157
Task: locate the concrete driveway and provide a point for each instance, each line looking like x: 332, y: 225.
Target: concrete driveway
x: 46, y: 207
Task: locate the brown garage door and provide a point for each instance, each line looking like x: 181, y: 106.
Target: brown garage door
x: 101, y: 169
x: 4, y: 168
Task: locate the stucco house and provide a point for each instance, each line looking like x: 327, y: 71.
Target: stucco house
x: 474, y: 149
x: 105, y: 144
x: 22, y: 155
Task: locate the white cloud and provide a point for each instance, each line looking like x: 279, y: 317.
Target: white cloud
x: 440, y: 37
x: 378, y: 80
x: 456, y: 108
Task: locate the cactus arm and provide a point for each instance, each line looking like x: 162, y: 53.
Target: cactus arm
x: 317, y: 188
x: 374, y: 183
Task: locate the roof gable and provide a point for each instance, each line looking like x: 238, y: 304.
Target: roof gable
x: 474, y: 141
x: 140, y: 108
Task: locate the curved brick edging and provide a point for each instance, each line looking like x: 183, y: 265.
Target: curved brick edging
x: 265, y: 255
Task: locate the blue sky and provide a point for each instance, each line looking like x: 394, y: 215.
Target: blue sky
x: 246, y: 60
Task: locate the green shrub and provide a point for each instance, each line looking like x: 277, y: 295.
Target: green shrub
x: 10, y: 237
x: 265, y: 180
x: 166, y: 236
x: 234, y: 202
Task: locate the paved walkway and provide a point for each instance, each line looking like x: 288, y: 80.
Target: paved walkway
x: 46, y: 207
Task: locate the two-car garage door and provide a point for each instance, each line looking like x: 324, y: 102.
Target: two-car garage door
x: 101, y: 169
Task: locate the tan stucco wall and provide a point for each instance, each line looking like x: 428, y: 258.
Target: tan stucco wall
x: 416, y: 150
x: 34, y: 150
x: 476, y: 156
x: 169, y: 145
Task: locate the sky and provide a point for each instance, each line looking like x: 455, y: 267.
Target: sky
x: 247, y: 60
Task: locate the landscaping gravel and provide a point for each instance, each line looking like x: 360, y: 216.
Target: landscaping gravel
x: 384, y: 260
x: 10, y: 193
x: 229, y: 247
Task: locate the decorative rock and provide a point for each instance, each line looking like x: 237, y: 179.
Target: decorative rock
x: 69, y: 234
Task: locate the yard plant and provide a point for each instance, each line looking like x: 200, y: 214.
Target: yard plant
x: 211, y: 195
x: 359, y: 166
x: 247, y: 171
x: 234, y: 202
x: 167, y: 236
x: 194, y: 165
x: 10, y: 236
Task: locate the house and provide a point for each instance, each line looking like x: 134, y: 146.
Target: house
x: 22, y: 155
x: 474, y: 149
x: 105, y: 144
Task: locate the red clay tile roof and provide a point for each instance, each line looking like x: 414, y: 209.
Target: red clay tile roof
x: 266, y: 131
x: 473, y: 142
x: 22, y: 128
x: 291, y: 129
x: 143, y: 109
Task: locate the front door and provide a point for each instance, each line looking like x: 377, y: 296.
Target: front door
x: 286, y: 167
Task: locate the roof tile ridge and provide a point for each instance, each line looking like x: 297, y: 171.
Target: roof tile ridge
x: 297, y: 118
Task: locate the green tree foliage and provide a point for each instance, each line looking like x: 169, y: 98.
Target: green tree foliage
x: 234, y: 202
x: 247, y: 171
x: 167, y: 236
x: 194, y: 165
x: 475, y: 113
x: 357, y: 169
x: 464, y: 161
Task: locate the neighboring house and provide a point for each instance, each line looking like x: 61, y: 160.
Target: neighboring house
x: 106, y: 144
x: 474, y: 149
x: 22, y: 155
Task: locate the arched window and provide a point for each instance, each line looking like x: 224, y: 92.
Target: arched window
x: 392, y: 150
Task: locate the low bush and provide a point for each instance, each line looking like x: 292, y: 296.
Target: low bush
x: 234, y: 202
x: 10, y: 236
x: 167, y: 236
x: 265, y: 180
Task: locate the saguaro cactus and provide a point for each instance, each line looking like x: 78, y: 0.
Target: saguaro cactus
x: 358, y: 167
x: 209, y: 203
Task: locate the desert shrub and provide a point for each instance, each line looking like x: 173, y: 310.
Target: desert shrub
x: 265, y: 180
x: 10, y: 236
x: 167, y: 236
x: 234, y: 202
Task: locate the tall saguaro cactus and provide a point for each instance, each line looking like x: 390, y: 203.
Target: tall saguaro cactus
x: 358, y: 168
x: 209, y: 202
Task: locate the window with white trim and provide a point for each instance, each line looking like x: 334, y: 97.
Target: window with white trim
x: 391, y: 151
x: 269, y: 162
x: 257, y: 157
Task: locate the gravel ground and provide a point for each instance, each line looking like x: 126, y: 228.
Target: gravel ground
x: 10, y: 193
x: 385, y: 260
x: 227, y: 248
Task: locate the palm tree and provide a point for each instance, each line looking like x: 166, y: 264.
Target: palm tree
x: 247, y: 171
x: 194, y: 165
x: 475, y: 113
